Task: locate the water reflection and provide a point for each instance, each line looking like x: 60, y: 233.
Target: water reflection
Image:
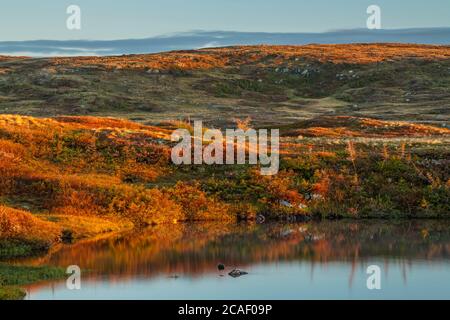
x: 190, y: 253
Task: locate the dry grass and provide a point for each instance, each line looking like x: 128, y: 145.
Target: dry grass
x: 271, y: 84
x: 86, y: 227
x: 21, y: 225
x: 264, y: 55
x: 345, y: 126
x: 95, y: 175
x: 77, y: 167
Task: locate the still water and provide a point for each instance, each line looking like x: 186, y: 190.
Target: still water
x: 317, y: 260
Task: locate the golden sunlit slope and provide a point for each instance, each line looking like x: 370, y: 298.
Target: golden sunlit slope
x: 21, y: 225
x: 345, y: 126
x: 65, y: 178
x: 93, y: 167
x: 273, y: 85
x: 262, y: 55
x: 10, y: 58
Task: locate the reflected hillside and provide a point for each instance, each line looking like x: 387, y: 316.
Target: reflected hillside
x: 196, y: 249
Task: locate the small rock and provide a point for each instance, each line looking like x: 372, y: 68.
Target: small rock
x: 286, y: 233
x: 286, y: 203
x: 153, y: 71
x: 302, y: 229
x: 236, y: 273
x: 302, y: 206
x: 316, y: 196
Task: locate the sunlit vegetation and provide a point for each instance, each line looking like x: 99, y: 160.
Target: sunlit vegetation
x: 21, y: 233
x: 345, y: 126
x: 381, y: 151
x: 237, y: 56
x: 69, y: 178
x: 94, y: 168
x: 271, y: 84
x: 81, y: 176
x: 371, y: 169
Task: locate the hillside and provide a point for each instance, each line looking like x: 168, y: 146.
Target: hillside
x: 364, y: 135
x: 270, y: 84
x: 85, y: 143
x: 78, y: 177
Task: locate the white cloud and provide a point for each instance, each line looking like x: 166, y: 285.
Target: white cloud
x: 212, y: 44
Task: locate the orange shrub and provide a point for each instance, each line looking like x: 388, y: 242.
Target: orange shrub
x: 142, y: 206
x: 21, y: 225
x: 281, y: 196
x: 196, y: 205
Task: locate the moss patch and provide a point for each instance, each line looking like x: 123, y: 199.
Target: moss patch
x: 12, y: 277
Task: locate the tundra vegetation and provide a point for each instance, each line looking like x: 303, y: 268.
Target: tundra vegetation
x: 85, y: 142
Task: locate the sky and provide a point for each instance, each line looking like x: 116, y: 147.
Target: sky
x: 107, y: 20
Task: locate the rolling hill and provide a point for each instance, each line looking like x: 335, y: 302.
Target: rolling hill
x: 269, y: 84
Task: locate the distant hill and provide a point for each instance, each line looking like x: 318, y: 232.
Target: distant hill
x: 272, y: 85
x: 202, y: 39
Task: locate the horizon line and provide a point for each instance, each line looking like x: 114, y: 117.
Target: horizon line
x: 199, y: 31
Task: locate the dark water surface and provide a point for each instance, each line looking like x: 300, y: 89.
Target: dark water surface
x: 317, y: 260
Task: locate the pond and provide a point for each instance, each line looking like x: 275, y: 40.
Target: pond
x: 316, y: 260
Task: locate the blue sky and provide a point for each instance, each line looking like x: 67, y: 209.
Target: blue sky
x: 107, y: 19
